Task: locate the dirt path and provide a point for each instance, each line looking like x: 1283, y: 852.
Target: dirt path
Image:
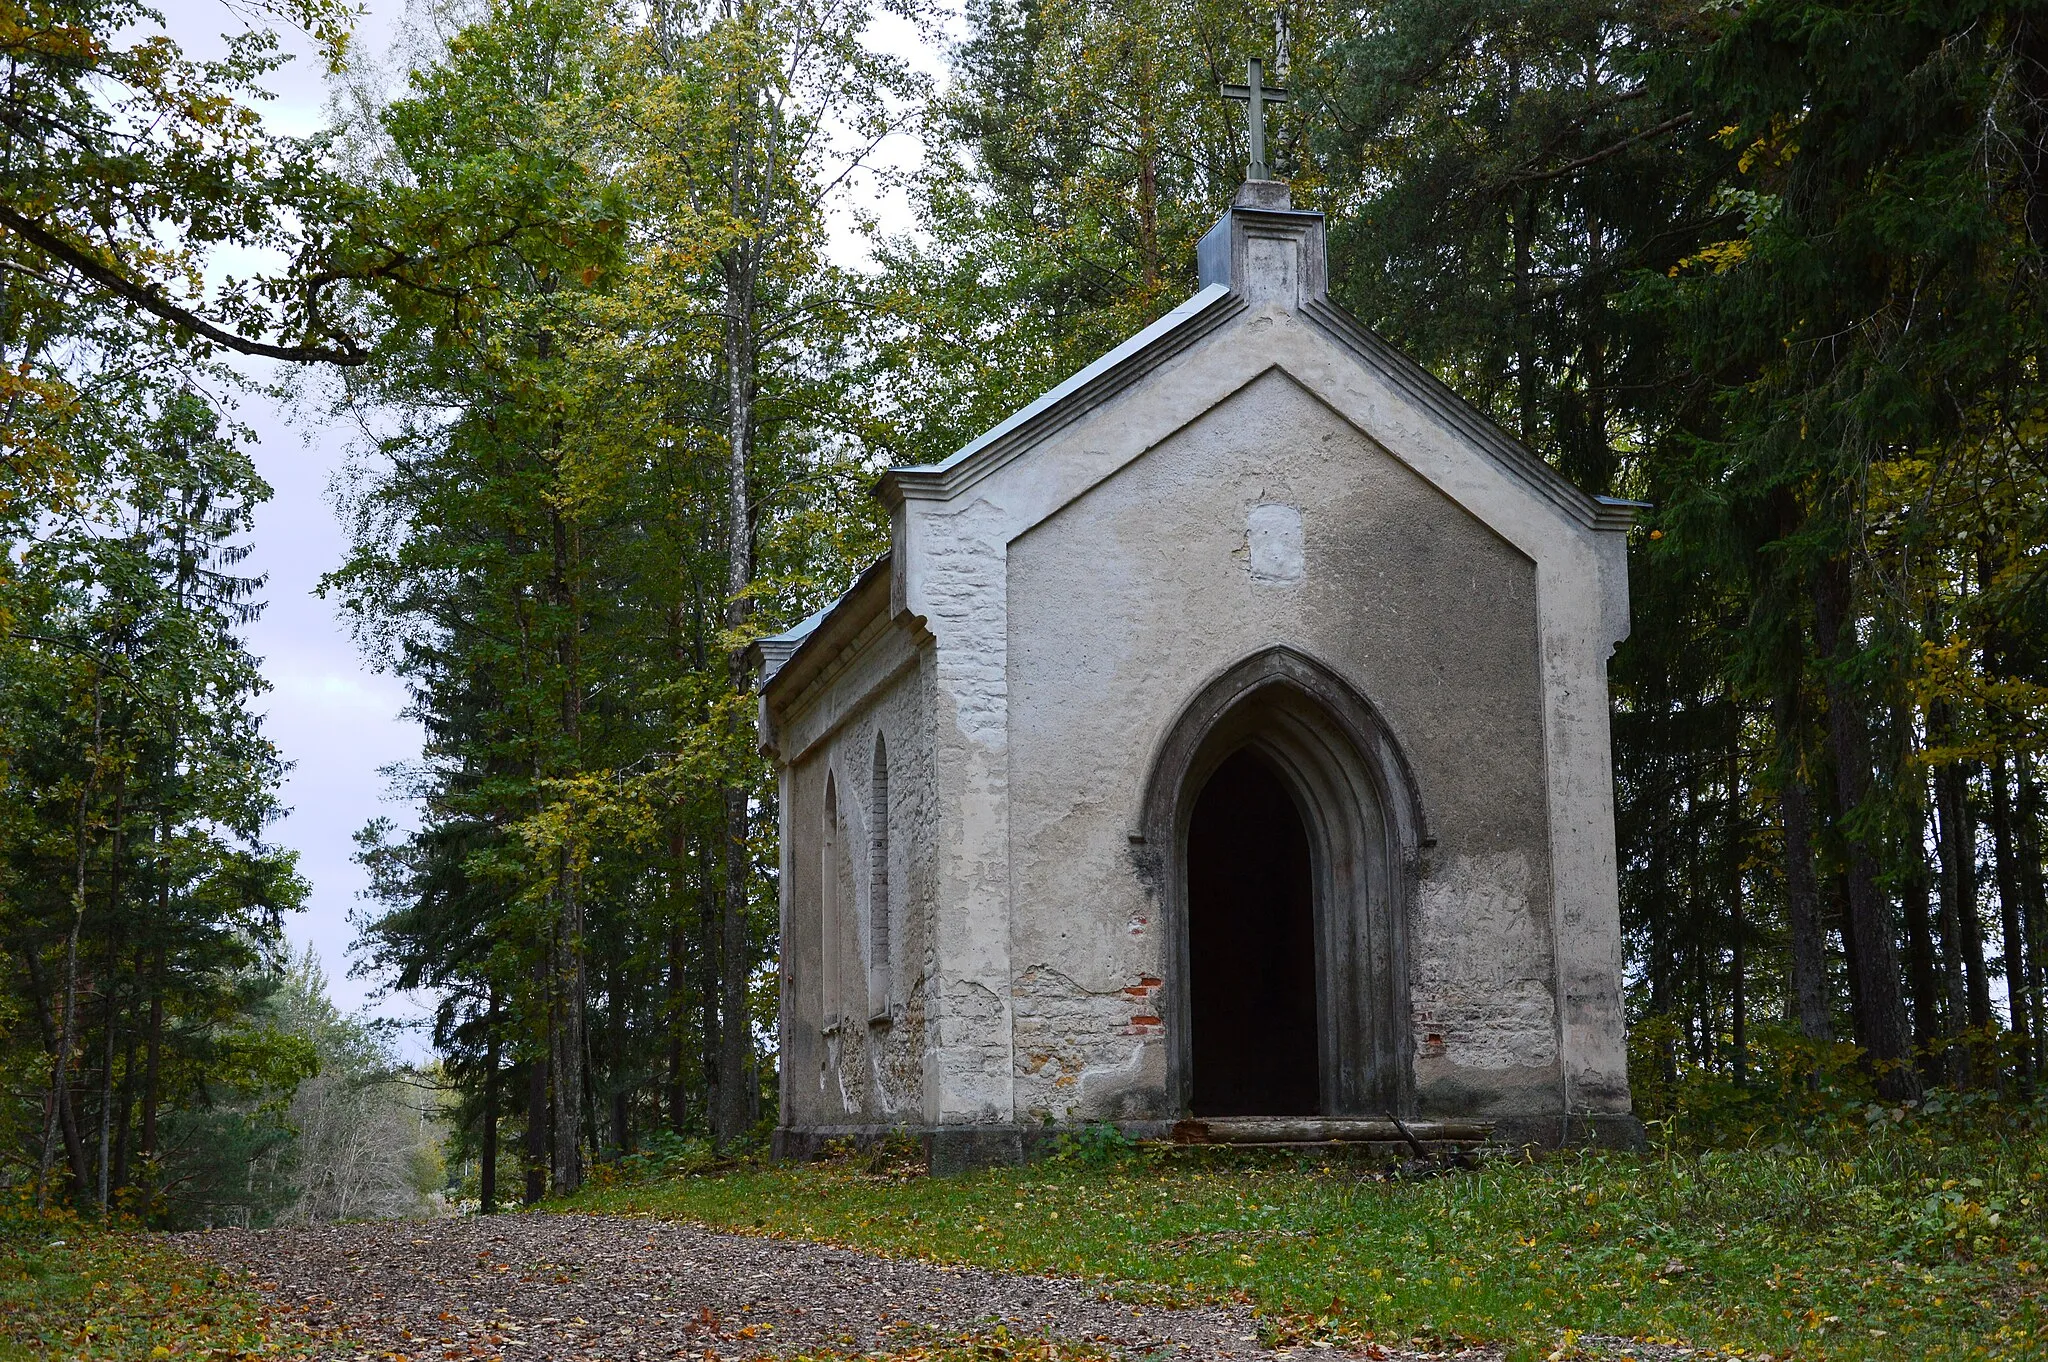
x: 577, y: 1287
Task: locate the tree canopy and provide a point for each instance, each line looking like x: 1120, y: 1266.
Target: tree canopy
x: 1774, y: 268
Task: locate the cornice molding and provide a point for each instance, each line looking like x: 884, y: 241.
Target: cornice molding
x: 1429, y: 392
x: 1063, y: 405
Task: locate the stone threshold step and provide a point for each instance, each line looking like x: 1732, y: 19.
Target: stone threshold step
x: 1256, y: 1130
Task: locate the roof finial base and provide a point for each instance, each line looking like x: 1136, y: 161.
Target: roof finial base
x: 1273, y: 196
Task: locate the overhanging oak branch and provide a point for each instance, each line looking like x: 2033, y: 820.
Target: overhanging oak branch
x: 153, y: 301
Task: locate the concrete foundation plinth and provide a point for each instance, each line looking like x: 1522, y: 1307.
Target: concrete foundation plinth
x: 959, y: 1149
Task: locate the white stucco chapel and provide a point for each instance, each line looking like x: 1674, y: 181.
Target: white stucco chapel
x: 1223, y: 737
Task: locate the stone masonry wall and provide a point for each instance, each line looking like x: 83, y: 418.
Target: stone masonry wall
x: 871, y: 1068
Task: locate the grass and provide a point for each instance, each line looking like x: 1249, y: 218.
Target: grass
x: 73, y: 1289
x: 1907, y: 1239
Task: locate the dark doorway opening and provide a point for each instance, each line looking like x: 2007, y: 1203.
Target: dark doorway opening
x: 1251, y: 947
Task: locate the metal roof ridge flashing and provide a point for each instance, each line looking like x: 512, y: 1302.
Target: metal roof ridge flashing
x: 1114, y: 369
x: 796, y: 632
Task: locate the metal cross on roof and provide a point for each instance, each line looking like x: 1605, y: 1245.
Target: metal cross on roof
x: 1256, y: 93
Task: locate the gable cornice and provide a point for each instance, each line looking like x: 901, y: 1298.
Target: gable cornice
x: 789, y: 660
x: 1433, y: 395
x: 1236, y: 278
x: 1199, y: 316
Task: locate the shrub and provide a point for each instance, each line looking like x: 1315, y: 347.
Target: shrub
x: 1097, y: 1145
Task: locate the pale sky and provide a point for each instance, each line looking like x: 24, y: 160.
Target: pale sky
x: 333, y: 718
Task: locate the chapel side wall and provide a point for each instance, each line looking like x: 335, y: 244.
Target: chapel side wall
x: 867, y: 1072
x: 1123, y: 604
x: 801, y: 1043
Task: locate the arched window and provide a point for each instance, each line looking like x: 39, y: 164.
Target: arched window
x: 828, y: 904
x: 878, y: 886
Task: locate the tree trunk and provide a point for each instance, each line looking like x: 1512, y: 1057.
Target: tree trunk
x: 1838, y: 886
x: 1976, y: 972
x: 123, y: 1123
x: 735, y: 962
x: 1738, y: 996
x: 735, y: 955
x: 571, y: 992
x: 1596, y: 465
x: 1148, y: 166
x: 2012, y: 937
x: 1880, y: 1020
x: 623, y: 986
x: 105, y: 1170
x: 2012, y: 918
x: 487, y: 1173
x: 1915, y: 888
x: 709, y: 917
x: 61, y: 1114
x: 1916, y: 897
x: 152, y: 1060
x: 676, y: 1001
x: 687, y: 630
x: 1802, y: 888
x: 109, y: 1004
x: 54, y: 1118
x: 1525, y: 315
x: 1957, y: 842
x: 1706, y: 1033
x: 1738, y: 918
x: 2033, y: 901
x: 1660, y: 998
x: 590, y: 1126
x: 1969, y: 901
x: 1522, y: 229
x: 565, y: 1050
x: 537, y: 1096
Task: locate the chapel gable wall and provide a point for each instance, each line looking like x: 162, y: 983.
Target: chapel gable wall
x: 1271, y: 521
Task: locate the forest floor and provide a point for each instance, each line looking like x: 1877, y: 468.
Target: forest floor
x: 569, y: 1286
x: 1899, y: 1245
x: 71, y: 1288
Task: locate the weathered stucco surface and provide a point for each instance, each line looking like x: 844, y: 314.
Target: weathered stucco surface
x: 1266, y: 476
x: 855, y: 1015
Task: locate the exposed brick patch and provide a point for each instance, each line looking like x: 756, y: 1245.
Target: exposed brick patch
x: 1145, y: 1022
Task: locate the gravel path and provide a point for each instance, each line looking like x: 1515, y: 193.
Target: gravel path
x: 534, y: 1287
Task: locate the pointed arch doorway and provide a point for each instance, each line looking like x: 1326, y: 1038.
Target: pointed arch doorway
x: 1255, y: 1045
x: 1281, y: 829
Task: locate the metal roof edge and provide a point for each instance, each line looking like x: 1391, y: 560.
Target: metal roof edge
x: 1066, y: 401
x: 1594, y: 512
x: 794, y: 642
x: 1619, y: 513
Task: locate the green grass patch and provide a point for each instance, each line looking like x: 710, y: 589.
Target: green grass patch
x: 1908, y: 1238
x: 73, y: 1289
